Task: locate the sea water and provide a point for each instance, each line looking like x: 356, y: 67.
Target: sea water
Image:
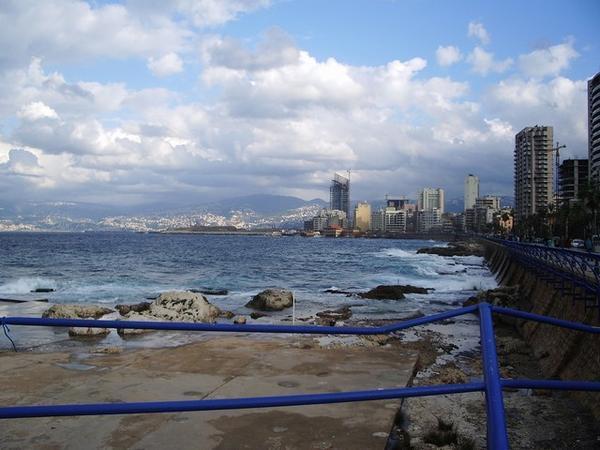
x: 112, y: 268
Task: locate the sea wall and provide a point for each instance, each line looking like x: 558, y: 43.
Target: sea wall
x: 562, y: 353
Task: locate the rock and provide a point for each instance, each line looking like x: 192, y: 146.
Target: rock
x: 137, y: 307
x: 208, y: 291
x: 37, y: 290
x: 138, y: 317
x: 451, y: 374
x: 330, y: 317
x: 272, y: 300
x: 88, y: 332
x: 183, y: 306
x: 227, y: 314
x: 508, y: 296
x: 239, y: 320
x: 257, y: 315
x: 455, y: 249
x: 379, y: 339
x: 70, y: 311
x: 339, y: 291
x: 325, y: 321
x: 178, y: 306
x: 394, y: 292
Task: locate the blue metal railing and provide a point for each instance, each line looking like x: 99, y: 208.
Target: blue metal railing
x: 577, y: 272
x: 492, y: 384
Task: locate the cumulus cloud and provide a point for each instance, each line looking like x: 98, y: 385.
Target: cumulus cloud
x: 548, y: 61
x: 68, y: 30
x: 478, y: 31
x: 275, y: 49
x: 166, y: 65
x: 559, y: 102
x: 202, y: 13
x: 483, y: 62
x: 36, y: 111
x: 446, y: 56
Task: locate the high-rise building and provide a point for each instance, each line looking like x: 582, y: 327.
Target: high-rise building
x: 572, y: 178
x: 471, y: 190
x: 394, y: 220
x: 533, y: 170
x: 488, y: 201
x: 362, y: 216
x: 594, y: 129
x: 428, y: 220
x: 339, y: 194
x: 328, y: 218
x: 431, y: 198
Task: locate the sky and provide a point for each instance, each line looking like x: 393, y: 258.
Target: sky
x: 183, y: 101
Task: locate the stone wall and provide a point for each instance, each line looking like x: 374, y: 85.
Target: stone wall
x: 562, y: 353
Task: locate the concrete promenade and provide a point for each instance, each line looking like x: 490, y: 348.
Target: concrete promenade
x: 218, y: 367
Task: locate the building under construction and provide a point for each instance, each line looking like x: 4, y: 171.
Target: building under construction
x: 339, y: 194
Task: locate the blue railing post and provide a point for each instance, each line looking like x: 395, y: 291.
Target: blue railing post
x: 497, y: 438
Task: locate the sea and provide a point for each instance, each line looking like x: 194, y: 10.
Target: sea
x: 122, y: 267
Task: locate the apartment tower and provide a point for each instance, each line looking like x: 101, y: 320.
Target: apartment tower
x: 533, y: 170
x: 471, y: 191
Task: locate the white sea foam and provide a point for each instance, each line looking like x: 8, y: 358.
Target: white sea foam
x: 396, y: 253
x: 25, y: 285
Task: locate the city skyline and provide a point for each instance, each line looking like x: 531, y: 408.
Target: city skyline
x: 177, y: 102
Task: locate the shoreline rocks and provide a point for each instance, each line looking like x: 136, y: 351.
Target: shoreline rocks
x: 508, y: 296
x: 178, y: 306
x: 70, y: 311
x: 272, y: 300
x: 393, y: 292
x: 459, y: 248
x: 330, y: 317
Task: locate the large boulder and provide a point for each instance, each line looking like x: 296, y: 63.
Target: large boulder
x: 393, y: 292
x: 272, y: 300
x: 182, y: 306
x: 69, y: 311
x: 176, y: 306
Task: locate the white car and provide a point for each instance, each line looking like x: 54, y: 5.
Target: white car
x: 577, y: 243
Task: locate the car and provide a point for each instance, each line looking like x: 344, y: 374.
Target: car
x: 577, y: 243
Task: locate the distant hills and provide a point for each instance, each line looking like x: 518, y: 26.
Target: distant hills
x: 261, y: 210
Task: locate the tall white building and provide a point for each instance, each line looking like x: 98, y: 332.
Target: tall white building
x: 534, y: 172
x: 471, y: 191
x: 431, y: 198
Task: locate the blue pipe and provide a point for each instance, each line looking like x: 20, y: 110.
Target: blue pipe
x: 497, y: 437
x: 13, y: 412
x: 428, y: 319
x: 558, y: 385
x: 545, y: 319
x: 191, y: 326
x: 225, y: 327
